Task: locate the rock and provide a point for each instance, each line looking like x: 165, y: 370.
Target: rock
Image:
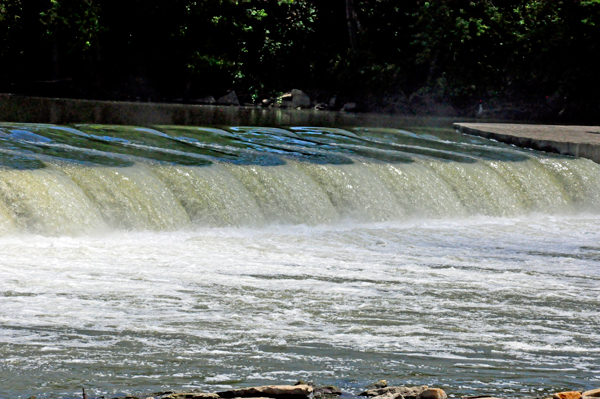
x: 567, y: 395
x: 433, y: 393
x: 260, y: 397
x: 295, y: 99
x: 229, y: 99
x: 594, y: 393
x: 270, y: 391
x: 479, y: 397
x: 332, y: 102
x: 191, y: 395
x: 394, y: 392
x: 206, y: 100
x: 300, y: 99
x: 349, y: 107
x: 379, y: 384
x: 327, y: 390
x: 392, y: 395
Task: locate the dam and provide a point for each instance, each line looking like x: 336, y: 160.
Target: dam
x: 136, y: 258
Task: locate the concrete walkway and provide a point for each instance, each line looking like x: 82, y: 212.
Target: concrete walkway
x: 579, y: 141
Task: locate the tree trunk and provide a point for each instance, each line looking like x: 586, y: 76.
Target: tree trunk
x: 353, y: 24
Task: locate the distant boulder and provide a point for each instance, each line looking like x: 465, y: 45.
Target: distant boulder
x: 300, y: 99
x: 349, y: 107
x: 206, y: 100
x: 229, y: 99
x: 294, y: 99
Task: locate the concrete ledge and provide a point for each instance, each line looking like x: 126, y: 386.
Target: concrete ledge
x: 579, y: 141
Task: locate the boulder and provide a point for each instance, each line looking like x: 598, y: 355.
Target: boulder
x: 433, y: 393
x: 479, y: 397
x: 270, y: 391
x: 394, y: 392
x: 229, y: 99
x: 349, y: 107
x: 191, y: 395
x: 300, y: 99
x: 333, y: 102
x: 567, y: 395
x: 594, y: 393
x: 206, y: 100
x: 379, y: 384
x: 260, y: 397
x: 294, y: 99
x: 327, y: 390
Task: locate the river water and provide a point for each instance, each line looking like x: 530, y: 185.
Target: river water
x: 135, y: 260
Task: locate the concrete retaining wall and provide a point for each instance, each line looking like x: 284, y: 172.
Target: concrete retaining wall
x: 579, y: 141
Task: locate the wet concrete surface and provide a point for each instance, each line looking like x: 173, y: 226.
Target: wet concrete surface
x: 579, y: 141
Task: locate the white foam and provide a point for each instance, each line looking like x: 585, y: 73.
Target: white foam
x: 238, y: 304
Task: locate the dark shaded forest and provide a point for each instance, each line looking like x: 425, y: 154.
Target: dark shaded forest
x: 512, y: 58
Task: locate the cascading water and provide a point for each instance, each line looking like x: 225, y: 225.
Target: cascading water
x: 58, y: 180
x: 133, y: 259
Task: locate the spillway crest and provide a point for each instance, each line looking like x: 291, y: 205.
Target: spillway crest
x: 58, y: 180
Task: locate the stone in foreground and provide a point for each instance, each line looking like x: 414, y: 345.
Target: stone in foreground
x: 479, y: 397
x: 433, y: 393
x: 327, y: 390
x: 377, y: 385
x: 395, y: 392
x: 191, y: 395
x: 594, y: 393
x: 270, y: 391
x: 567, y: 395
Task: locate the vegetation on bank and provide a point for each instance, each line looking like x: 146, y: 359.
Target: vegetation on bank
x: 533, y: 58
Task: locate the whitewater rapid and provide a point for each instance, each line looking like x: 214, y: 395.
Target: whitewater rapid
x: 482, y: 305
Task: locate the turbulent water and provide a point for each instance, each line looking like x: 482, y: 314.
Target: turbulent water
x: 133, y: 260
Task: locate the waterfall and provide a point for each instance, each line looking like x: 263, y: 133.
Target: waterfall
x: 70, y: 180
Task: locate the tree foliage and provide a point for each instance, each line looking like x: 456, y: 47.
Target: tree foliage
x: 461, y: 50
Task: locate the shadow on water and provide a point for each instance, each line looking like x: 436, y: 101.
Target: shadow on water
x: 25, y: 146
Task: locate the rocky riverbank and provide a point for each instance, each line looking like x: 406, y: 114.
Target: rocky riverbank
x: 304, y: 390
